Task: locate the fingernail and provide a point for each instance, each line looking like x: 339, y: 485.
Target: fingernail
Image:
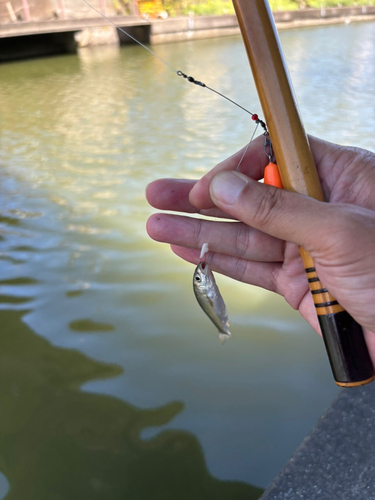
x: 227, y: 186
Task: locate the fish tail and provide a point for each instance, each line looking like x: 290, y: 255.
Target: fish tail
x: 224, y: 336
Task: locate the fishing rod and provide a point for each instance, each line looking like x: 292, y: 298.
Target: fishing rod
x: 343, y: 336
x: 286, y: 139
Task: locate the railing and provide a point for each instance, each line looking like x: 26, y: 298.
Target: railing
x: 15, y: 11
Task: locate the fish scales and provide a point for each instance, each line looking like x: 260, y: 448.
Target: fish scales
x: 209, y: 298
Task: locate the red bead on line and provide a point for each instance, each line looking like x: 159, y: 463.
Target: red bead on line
x: 254, y: 117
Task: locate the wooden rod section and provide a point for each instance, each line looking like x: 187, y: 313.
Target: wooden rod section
x: 343, y: 337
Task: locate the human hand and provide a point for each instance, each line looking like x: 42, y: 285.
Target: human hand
x: 262, y: 249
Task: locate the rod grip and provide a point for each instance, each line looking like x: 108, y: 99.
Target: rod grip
x: 343, y: 337
x: 347, y: 351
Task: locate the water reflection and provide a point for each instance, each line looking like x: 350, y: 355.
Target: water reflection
x: 87, y: 325
x: 335, y: 74
x: 81, y: 137
x: 60, y: 442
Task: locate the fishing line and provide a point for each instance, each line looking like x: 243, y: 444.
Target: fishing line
x: 205, y: 247
x: 209, y: 298
x: 247, y: 147
x: 130, y: 36
x: 190, y: 79
x: 201, y: 84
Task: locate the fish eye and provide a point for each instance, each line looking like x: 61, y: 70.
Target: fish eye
x: 197, y: 278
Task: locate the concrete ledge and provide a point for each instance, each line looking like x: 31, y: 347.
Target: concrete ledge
x: 192, y: 28
x: 179, y: 24
x: 57, y: 26
x: 176, y: 25
x: 322, y: 22
x: 95, y: 30
x: 304, y: 14
x: 183, y: 36
x: 337, y: 460
x: 210, y: 22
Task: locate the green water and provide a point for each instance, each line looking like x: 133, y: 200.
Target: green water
x: 113, y: 383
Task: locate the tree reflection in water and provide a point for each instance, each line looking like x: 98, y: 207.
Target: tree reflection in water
x: 57, y: 442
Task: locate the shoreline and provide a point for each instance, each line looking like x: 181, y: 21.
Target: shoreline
x: 199, y: 27
x: 21, y: 40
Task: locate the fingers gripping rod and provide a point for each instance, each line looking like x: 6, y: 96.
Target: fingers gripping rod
x: 343, y: 336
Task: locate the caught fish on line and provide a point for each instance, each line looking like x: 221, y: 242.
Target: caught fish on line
x: 209, y: 298
x: 204, y: 284
x: 205, y: 288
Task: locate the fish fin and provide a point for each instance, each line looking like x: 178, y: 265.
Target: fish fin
x: 223, y: 337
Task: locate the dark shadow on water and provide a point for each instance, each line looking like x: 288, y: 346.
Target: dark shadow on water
x: 12, y: 299
x: 8, y: 258
x: 57, y: 442
x: 23, y: 248
x: 87, y: 325
x: 9, y: 221
x: 74, y: 293
x: 22, y: 280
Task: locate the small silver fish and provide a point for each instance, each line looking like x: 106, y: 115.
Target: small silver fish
x: 210, y: 299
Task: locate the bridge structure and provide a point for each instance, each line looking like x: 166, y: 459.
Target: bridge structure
x: 33, y: 38
x: 66, y: 25
x: 47, y: 27
x: 50, y: 27
x: 22, y: 38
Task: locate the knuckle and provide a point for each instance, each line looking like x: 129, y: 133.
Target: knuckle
x: 242, y: 241
x: 240, y: 269
x: 266, y: 209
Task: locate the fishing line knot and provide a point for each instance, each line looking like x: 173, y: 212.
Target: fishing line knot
x: 260, y: 122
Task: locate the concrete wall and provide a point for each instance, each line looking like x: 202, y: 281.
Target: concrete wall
x: 187, y: 28
x: 94, y: 30
x: 323, y: 13
x: 77, y: 9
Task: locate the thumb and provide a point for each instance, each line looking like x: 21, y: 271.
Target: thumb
x: 283, y: 214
